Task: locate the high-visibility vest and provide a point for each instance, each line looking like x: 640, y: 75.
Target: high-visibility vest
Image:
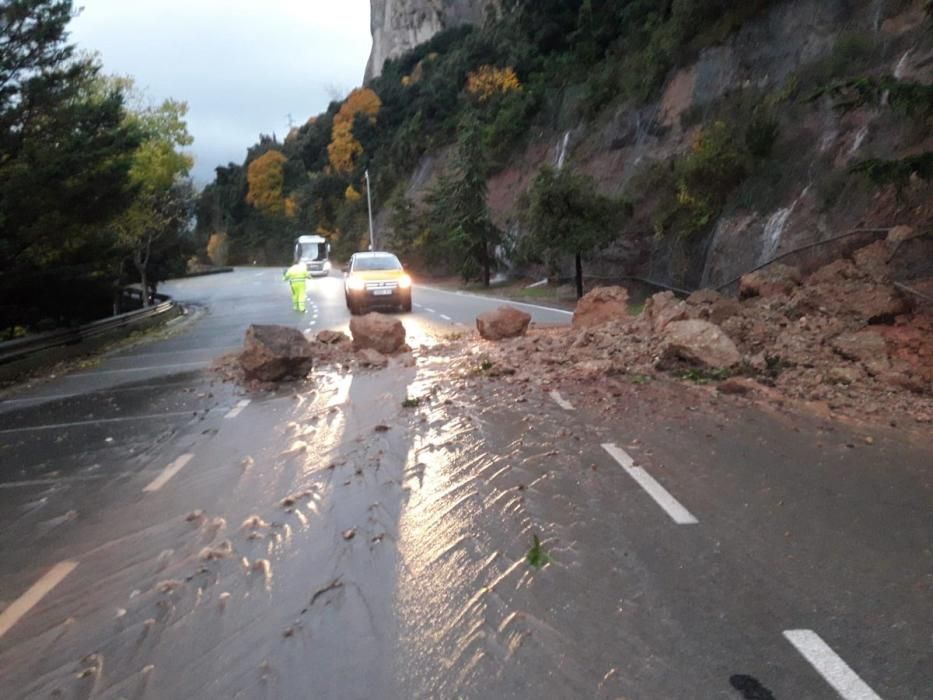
x: 296, y: 272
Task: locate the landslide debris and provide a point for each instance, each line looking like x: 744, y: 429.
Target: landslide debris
x: 272, y: 355
x: 844, y: 338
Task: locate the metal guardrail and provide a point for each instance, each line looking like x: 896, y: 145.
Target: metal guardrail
x: 14, y: 351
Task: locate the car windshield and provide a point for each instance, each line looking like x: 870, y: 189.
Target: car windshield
x: 376, y: 262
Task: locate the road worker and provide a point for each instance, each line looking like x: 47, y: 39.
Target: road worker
x: 297, y: 275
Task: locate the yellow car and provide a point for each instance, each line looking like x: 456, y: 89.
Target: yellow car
x: 376, y: 279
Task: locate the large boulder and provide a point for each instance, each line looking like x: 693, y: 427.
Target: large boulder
x: 600, y: 306
x: 664, y: 308
x: 275, y: 353
x: 697, y: 343
x: 769, y: 281
x: 378, y: 332
x: 504, y: 322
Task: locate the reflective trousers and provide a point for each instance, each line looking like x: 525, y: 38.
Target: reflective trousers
x: 298, y: 294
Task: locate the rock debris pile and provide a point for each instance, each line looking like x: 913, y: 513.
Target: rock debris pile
x: 844, y: 338
x: 275, y: 354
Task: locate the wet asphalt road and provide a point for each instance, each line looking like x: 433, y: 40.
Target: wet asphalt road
x: 166, y: 536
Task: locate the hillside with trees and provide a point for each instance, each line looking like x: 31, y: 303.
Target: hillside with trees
x: 93, y: 179
x: 715, y: 134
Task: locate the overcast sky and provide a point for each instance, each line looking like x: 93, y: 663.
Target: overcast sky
x: 242, y: 66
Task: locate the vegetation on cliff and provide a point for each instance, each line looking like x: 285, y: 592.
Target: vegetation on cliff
x: 540, y: 68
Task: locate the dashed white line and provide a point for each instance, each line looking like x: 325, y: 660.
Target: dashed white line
x: 561, y: 401
x: 238, y: 409
x: 446, y: 317
x: 417, y: 306
x: 99, y: 421
x: 429, y: 310
x: 167, y: 473
x: 36, y: 592
x: 662, y: 497
x: 828, y: 664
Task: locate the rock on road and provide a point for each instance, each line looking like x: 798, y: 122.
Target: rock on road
x: 166, y: 536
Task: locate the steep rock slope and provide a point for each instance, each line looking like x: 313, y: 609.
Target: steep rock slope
x: 400, y: 25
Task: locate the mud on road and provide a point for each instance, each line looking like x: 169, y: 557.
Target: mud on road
x: 334, y: 539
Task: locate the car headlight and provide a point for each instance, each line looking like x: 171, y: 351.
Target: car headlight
x: 356, y: 284
x: 404, y: 282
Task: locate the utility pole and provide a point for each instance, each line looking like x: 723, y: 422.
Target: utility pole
x: 369, y: 202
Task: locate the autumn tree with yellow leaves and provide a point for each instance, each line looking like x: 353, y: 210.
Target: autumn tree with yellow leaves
x: 266, y: 178
x: 344, y: 149
x: 487, y: 81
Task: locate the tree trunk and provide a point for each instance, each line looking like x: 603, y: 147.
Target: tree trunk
x: 485, y: 265
x: 579, y: 266
x: 143, y: 279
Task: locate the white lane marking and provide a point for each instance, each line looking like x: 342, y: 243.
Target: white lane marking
x: 167, y: 473
x: 561, y: 401
x: 430, y: 310
x: 417, y: 306
x: 238, y: 409
x: 499, y: 299
x: 662, y: 497
x: 446, y: 317
x: 36, y: 592
x: 828, y: 664
x: 75, y: 424
x: 138, y: 369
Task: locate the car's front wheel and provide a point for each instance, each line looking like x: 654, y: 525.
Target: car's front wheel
x: 406, y: 304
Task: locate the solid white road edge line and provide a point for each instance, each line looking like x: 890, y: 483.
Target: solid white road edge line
x: 561, y: 401
x: 167, y: 473
x: 36, y: 592
x: 828, y: 664
x: 137, y: 369
x: 54, y: 426
x: 500, y: 299
x: 111, y: 390
x: 238, y: 409
x: 662, y: 497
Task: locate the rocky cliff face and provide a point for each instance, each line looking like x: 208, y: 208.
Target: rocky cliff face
x: 400, y: 25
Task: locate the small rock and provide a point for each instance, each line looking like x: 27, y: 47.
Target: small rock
x: 770, y: 281
x: 698, y: 343
x: 737, y: 386
x: 349, y: 534
x: 368, y: 357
